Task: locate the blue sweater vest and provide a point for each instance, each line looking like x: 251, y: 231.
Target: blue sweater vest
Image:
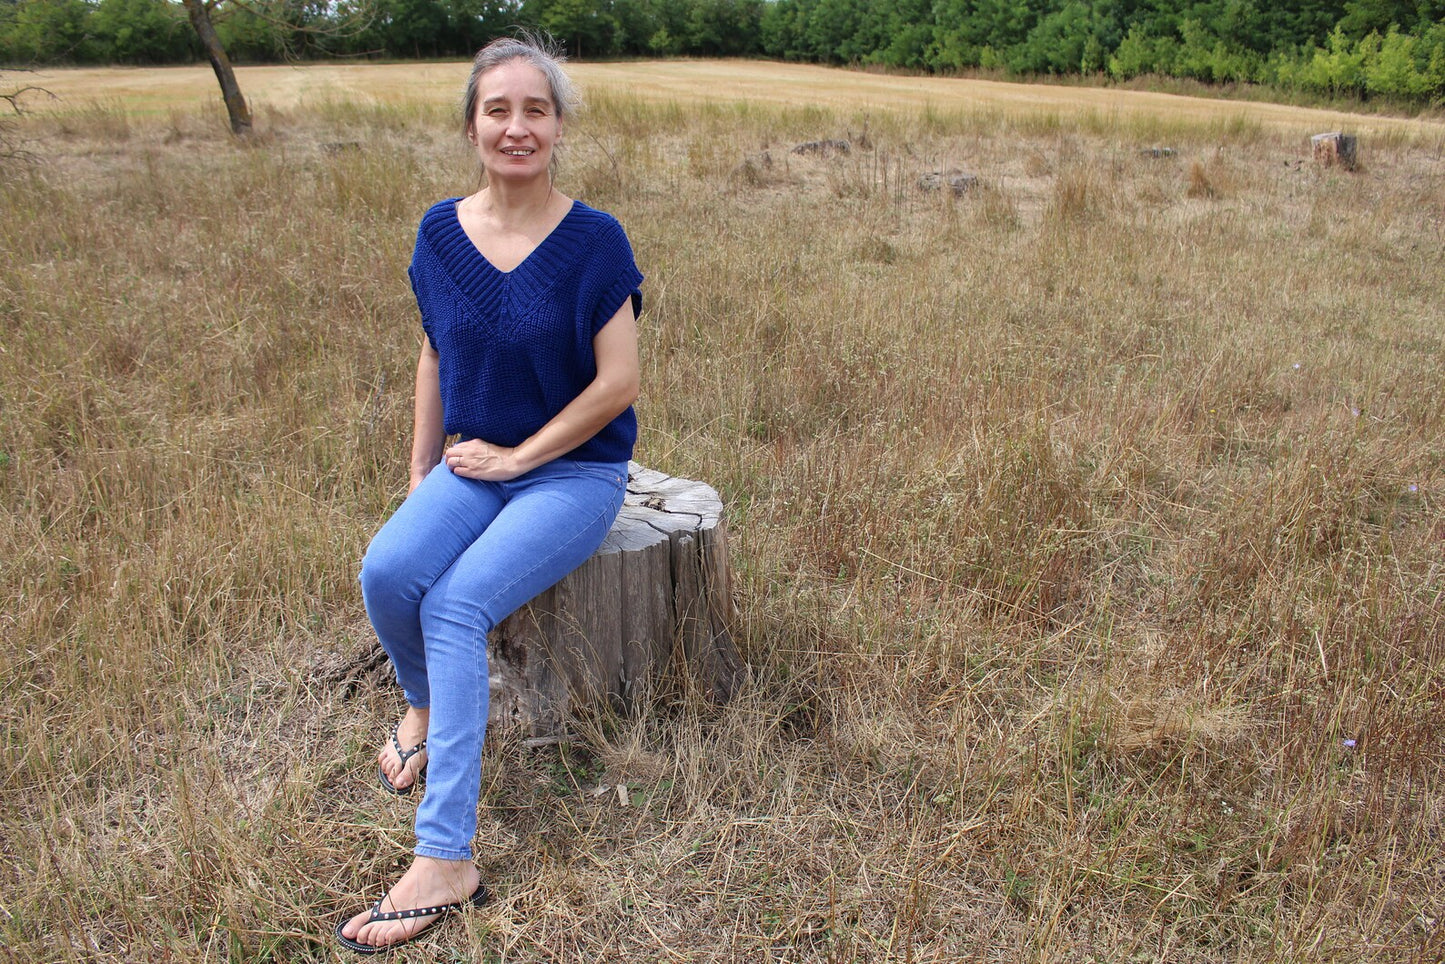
x: 515, y: 347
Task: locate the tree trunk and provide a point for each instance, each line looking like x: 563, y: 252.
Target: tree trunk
x: 655, y: 601
x: 240, y: 115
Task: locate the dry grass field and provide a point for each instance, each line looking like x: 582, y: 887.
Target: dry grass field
x: 149, y: 91
x: 1088, y: 529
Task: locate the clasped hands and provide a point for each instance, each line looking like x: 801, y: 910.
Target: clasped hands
x: 477, y: 459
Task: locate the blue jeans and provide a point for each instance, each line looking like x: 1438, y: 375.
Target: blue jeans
x: 457, y: 558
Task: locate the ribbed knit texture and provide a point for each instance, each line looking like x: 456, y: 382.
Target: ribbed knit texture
x: 516, y: 346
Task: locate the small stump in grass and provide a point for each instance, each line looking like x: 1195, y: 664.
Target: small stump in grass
x: 1335, y: 148
x: 957, y: 181
x: 824, y: 148
x: 655, y: 599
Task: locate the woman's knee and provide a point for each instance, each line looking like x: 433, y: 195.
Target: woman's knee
x: 385, y: 567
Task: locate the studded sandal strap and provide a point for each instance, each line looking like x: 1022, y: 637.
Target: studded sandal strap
x: 404, y: 755
x: 377, y: 914
x: 479, y: 896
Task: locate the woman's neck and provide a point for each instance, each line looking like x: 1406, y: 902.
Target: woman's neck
x: 516, y: 205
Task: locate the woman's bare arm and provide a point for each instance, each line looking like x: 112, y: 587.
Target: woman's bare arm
x: 428, y: 436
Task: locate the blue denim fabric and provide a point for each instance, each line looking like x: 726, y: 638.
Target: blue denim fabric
x: 458, y: 557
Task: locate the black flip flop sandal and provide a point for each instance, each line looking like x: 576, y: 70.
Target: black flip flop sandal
x: 479, y: 897
x: 404, y: 755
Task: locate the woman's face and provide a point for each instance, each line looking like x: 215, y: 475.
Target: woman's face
x: 516, y: 123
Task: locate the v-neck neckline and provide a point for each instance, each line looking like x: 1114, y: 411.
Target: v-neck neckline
x: 456, y: 215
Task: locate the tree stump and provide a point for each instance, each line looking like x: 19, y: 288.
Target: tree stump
x: 1335, y: 148
x: 824, y: 148
x: 654, y: 601
x: 958, y: 182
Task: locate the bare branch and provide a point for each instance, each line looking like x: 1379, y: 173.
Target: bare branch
x: 13, y: 97
x: 272, y: 12
x: 9, y: 149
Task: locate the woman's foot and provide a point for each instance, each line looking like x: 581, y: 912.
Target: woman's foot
x: 401, y: 766
x: 428, y: 883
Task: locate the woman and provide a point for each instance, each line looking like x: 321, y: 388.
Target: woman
x: 528, y: 301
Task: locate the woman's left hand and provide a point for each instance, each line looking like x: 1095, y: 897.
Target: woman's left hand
x: 476, y: 459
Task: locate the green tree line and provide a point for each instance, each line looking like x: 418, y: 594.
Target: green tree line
x: 1365, y: 48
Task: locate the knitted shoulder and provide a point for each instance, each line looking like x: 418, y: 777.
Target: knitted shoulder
x: 439, y: 215
x: 599, y: 224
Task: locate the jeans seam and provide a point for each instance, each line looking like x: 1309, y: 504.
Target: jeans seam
x: 441, y: 853
x: 556, y: 551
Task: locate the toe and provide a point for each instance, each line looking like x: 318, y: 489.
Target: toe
x: 353, y: 927
x: 395, y: 770
x: 405, y: 774
x: 385, y: 933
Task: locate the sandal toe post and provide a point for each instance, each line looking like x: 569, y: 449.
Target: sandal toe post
x: 402, y: 755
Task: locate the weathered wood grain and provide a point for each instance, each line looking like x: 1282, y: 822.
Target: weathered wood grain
x: 653, y: 606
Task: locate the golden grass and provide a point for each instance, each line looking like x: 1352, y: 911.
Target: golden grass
x: 1087, y: 531
x: 282, y: 87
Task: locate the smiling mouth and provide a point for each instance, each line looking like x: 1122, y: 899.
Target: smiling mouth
x: 517, y: 151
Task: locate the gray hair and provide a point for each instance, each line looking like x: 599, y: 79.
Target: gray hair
x: 535, y: 49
